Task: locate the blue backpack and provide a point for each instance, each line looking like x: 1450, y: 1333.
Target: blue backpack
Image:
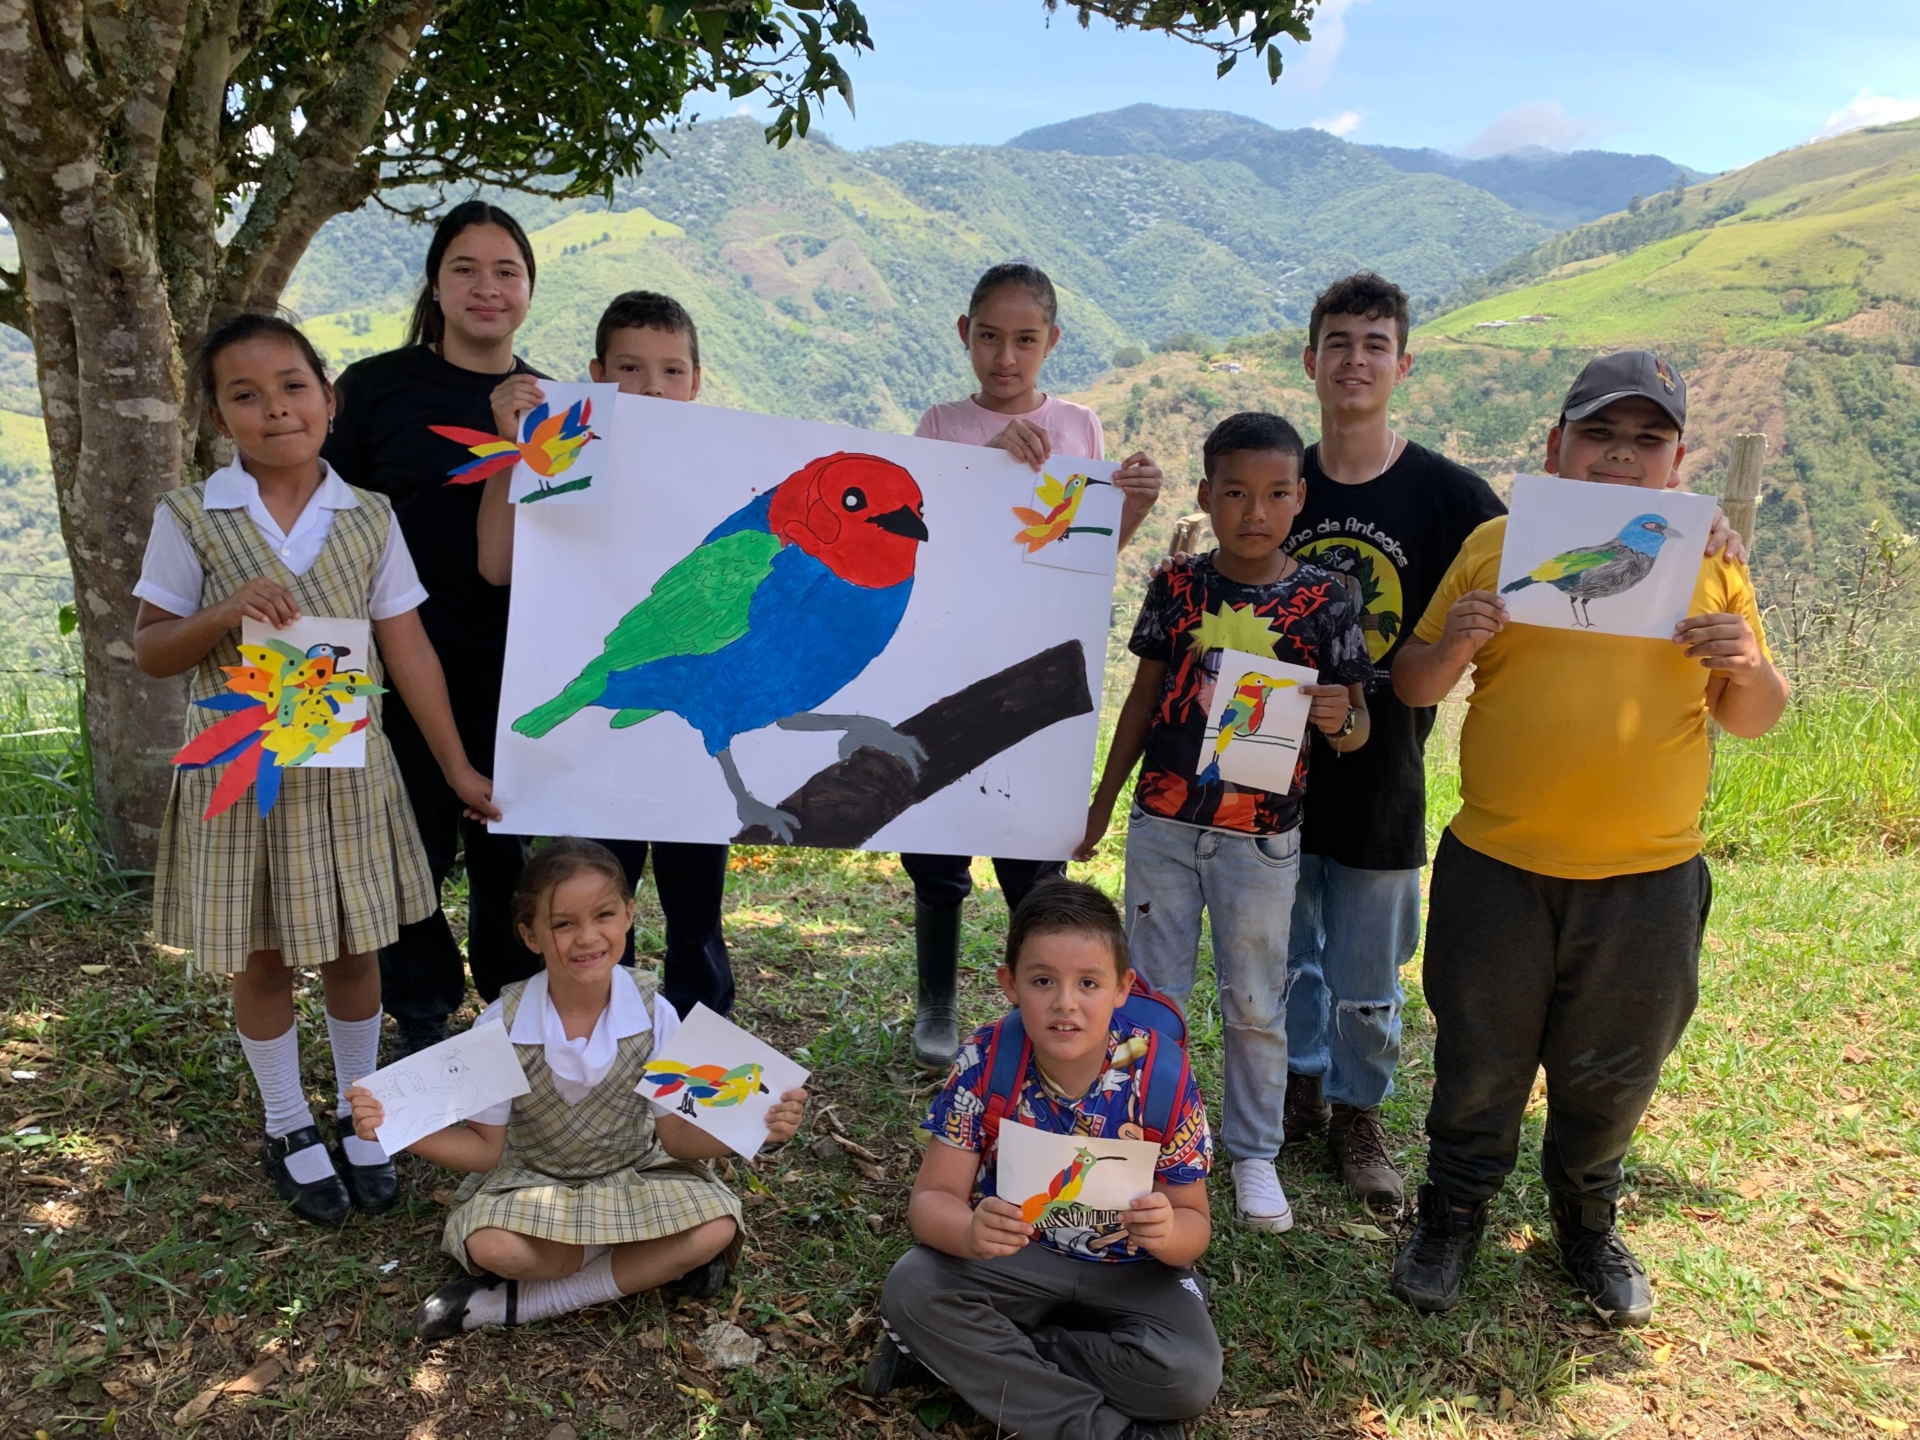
x: 1164, y: 1067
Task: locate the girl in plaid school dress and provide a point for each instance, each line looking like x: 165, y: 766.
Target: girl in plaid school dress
x: 579, y: 1191
x: 329, y: 873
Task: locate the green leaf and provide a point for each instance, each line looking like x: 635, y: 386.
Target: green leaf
x: 69, y: 618
x: 933, y: 1413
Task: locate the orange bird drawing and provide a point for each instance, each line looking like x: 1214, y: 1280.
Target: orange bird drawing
x: 1063, y: 1190
x: 1039, y: 530
x: 549, y: 444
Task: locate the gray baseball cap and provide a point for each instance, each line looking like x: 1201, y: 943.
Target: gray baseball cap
x: 1629, y: 373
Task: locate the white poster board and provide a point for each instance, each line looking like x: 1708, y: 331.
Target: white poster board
x: 1258, y: 702
x: 1073, y: 1186
x: 1614, y: 559
x: 719, y: 1077
x: 445, y: 1084
x: 783, y: 631
x: 350, y: 644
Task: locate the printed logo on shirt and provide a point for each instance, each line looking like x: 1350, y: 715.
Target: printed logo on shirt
x: 1374, y: 581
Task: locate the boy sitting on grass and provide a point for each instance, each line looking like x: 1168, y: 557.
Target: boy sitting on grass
x: 1569, y: 897
x: 1045, y: 1334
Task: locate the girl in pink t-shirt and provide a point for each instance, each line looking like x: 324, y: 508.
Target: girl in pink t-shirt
x: 1009, y: 330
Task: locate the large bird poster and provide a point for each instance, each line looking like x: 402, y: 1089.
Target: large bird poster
x: 779, y: 631
x: 1613, y: 559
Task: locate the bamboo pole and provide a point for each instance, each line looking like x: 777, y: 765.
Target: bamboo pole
x: 1741, y: 497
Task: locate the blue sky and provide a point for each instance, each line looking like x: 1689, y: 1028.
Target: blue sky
x: 1711, y: 83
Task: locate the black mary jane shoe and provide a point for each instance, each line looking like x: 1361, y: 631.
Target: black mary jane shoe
x: 373, y: 1189
x: 324, y: 1201
x: 443, y: 1314
x: 703, y: 1282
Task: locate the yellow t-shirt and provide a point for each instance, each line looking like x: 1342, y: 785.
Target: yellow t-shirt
x: 1583, y: 756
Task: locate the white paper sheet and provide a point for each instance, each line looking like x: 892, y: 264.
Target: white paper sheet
x: 1625, y: 559
x: 574, y: 473
x: 1073, y: 1186
x: 353, y: 638
x: 715, y: 1075
x: 1072, y: 519
x: 445, y: 1084
x: 1269, y: 721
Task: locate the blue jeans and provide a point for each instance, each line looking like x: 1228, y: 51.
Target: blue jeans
x: 1352, y: 931
x: 1244, y: 883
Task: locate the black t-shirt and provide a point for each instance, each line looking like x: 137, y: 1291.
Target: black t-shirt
x: 381, y: 442
x: 1393, y: 539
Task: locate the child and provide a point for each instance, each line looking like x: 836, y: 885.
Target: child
x: 1197, y: 842
x: 1569, y: 897
x: 1044, y: 1340
x: 333, y: 870
x: 580, y: 1191
x: 1010, y: 328
x: 647, y: 344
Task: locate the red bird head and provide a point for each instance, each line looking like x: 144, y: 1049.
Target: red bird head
x: 858, y: 515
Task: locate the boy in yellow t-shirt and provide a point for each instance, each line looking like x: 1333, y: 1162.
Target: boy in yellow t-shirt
x: 1569, y: 898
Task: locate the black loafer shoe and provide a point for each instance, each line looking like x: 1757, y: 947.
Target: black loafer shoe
x: 702, y: 1282
x: 372, y: 1188
x: 444, y: 1313
x: 324, y: 1201
x: 890, y: 1368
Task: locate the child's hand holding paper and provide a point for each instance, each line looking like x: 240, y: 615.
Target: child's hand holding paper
x: 722, y: 1080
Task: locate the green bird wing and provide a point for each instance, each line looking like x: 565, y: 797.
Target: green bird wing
x: 696, y: 608
x: 1572, y: 562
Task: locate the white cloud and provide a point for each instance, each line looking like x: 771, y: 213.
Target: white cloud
x: 1345, y: 123
x: 1329, y: 39
x: 1865, y: 109
x: 1541, y: 122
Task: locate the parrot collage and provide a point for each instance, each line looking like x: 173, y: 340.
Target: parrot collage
x: 709, y: 1085
x: 1243, y: 715
x: 1064, y: 1189
x: 284, y: 709
x: 1595, y: 572
x: 780, y: 607
x: 1040, y: 530
x: 549, y: 444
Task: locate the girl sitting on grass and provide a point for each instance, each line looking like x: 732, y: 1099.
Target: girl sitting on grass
x: 330, y: 873
x: 579, y: 1191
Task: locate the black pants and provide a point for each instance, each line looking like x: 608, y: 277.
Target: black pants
x: 1593, y: 979
x: 691, y: 879
x: 941, y: 882
x: 421, y: 974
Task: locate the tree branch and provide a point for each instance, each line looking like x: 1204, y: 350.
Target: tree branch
x: 13, y: 301
x: 844, y: 805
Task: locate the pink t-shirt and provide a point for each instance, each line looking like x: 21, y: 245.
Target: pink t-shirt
x: 1074, y: 429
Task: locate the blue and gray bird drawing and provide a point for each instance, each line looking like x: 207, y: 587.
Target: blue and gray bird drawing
x: 1595, y: 572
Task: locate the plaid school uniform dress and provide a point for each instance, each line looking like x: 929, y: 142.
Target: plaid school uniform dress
x: 593, y: 1173
x: 336, y: 866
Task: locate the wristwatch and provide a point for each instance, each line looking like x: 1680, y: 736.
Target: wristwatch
x: 1346, y: 726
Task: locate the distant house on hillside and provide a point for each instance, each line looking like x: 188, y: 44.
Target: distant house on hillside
x: 1491, y: 324
x: 1231, y: 367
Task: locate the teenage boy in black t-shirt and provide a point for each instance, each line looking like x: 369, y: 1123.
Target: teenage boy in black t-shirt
x: 1389, y: 516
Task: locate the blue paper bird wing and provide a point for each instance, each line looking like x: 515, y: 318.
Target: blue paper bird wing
x: 1573, y: 562
x: 532, y: 421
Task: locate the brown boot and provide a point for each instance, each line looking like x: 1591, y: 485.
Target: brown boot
x: 1303, y: 1114
x: 1359, y: 1146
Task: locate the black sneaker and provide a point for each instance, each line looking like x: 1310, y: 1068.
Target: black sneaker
x: 1429, y: 1268
x: 890, y: 1368
x: 1599, y: 1262
x: 412, y: 1036
x: 324, y: 1201
x: 1304, y: 1112
x: 374, y: 1189
x: 444, y: 1313
x: 1154, y: 1430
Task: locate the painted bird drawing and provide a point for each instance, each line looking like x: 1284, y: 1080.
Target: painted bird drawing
x: 706, y: 1085
x: 1063, y: 501
x: 283, y: 709
x: 549, y: 443
x: 1242, y: 717
x: 782, y: 605
x: 1064, y: 1189
x: 1596, y: 572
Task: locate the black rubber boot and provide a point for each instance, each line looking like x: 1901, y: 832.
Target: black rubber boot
x: 412, y: 1036
x: 1428, y: 1270
x: 936, y: 1015
x: 1599, y: 1262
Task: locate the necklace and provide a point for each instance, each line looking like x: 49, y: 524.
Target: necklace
x: 1393, y: 444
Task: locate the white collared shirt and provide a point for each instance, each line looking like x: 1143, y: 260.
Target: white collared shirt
x: 579, y: 1065
x: 171, y: 575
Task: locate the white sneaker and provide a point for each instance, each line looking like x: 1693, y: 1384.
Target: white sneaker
x: 1258, y: 1199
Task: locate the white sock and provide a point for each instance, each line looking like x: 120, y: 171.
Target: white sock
x: 356, y: 1055
x: 591, y: 1284
x: 276, y: 1070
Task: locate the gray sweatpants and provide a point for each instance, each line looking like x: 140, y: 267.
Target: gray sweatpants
x: 1052, y: 1348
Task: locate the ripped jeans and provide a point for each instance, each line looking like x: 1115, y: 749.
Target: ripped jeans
x: 1352, y: 931
x: 1245, y: 884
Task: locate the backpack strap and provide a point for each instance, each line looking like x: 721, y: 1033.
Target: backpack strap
x: 1000, y: 1074
x: 1163, y: 1080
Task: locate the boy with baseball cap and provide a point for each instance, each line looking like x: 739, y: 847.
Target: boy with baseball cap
x: 1569, y: 898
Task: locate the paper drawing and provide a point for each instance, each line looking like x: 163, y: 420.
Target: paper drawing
x: 1076, y: 1187
x: 445, y: 1084
x: 292, y: 701
x: 557, y: 454
x: 1256, y: 722
x: 715, y: 1075
x: 788, y: 632
x: 1574, y: 545
x: 1072, y: 524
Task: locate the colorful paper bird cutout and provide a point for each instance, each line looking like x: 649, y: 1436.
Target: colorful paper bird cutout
x: 1064, y: 1188
x: 549, y: 444
x: 1038, y: 531
x: 1243, y: 715
x: 284, y: 709
x: 709, y: 1085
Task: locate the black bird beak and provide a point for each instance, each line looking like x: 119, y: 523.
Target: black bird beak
x: 901, y: 522
x: 340, y: 651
